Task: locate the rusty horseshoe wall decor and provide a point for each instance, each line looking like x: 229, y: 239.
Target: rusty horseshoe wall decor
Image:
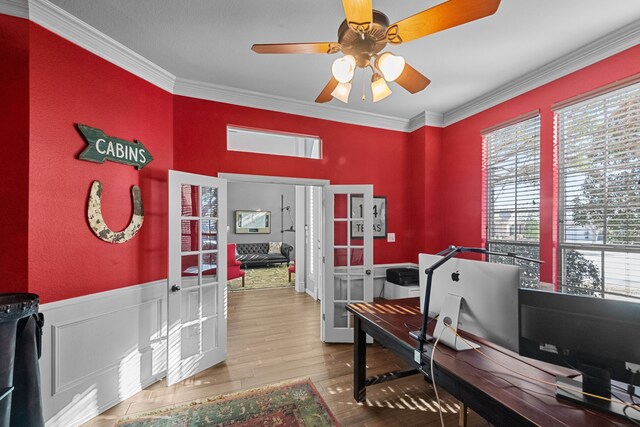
x: 96, y: 221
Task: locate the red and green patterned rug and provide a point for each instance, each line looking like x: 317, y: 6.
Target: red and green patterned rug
x: 284, y: 405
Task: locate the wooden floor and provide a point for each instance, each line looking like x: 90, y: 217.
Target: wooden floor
x: 274, y: 335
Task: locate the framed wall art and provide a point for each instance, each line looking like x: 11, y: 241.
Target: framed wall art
x: 253, y: 222
x: 379, y: 217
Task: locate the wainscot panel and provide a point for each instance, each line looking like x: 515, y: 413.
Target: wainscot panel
x: 100, y: 349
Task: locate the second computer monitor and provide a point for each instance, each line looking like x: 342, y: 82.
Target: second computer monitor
x: 489, y: 291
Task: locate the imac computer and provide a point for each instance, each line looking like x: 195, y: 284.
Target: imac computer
x: 487, y: 293
x: 599, y: 337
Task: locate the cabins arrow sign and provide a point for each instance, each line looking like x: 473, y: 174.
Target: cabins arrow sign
x: 102, y: 147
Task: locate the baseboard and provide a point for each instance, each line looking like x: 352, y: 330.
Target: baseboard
x: 100, y: 349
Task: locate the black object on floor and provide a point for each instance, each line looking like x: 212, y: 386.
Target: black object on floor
x: 20, y: 349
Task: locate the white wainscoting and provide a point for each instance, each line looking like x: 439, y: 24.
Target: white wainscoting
x: 100, y: 349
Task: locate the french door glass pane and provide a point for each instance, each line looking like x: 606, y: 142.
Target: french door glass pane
x: 189, y: 304
x: 189, y: 199
x: 189, y: 235
x: 209, y: 268
x: 189, y: 271
x: 209, y: 202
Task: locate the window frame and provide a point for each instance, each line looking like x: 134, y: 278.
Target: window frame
x: 530, y: 125
x: 601, y: 250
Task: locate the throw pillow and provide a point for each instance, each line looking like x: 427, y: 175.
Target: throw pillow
x: 274, y: 247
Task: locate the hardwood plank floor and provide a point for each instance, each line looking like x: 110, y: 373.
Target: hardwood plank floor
x: 274, y: 336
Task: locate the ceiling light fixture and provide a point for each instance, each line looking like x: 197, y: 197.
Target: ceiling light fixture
x: 379, y: 88
x: 341, y: 92
x: 390, y: 65
x: 343, y: 68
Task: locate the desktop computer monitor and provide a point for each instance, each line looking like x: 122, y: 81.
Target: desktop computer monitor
x: 599, y: 337
x: 489, y: 292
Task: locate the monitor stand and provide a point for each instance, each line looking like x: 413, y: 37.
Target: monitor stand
x: 605, y: 406
x: 449, y: 315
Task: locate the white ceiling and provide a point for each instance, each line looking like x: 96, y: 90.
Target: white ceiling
x: 209, y: 41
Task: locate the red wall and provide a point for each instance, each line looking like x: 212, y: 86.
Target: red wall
x: 14, y: 161
x: 70, y: 85
x: 424, y: 164
x: 351, y: 155
x: 431, y: 177
x: 462, y: 154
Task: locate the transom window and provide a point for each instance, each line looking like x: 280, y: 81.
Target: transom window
x: 279, y: 144
x: 599, y: 183
x: 512, y: 171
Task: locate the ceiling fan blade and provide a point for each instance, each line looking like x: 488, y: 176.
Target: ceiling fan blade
x: 441, y: 17
x: 359, y: 13
x: 320, y: 47
x: 412, y: 80
x: 325, y: 95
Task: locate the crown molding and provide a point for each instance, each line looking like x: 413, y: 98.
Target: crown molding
x: 18, y: 8
x: 426, y: 118
x: 67, y: 26
x: 213, y: 92
x: 615, y: 42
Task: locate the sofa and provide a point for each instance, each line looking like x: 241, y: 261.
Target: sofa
x: 258, y: 254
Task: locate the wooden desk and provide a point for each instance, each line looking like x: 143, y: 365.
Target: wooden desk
x: 495, y: 393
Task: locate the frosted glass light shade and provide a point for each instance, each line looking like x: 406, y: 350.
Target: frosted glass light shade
x: 341, y: 92
x: 343, y: 68
x: 390, y: 65
x: 379, y: 88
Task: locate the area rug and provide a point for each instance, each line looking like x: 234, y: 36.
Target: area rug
x: 283, y: 405
x: 262, y: 278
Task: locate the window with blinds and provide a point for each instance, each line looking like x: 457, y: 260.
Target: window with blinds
x: 599, y: 200
x: 512, y: 171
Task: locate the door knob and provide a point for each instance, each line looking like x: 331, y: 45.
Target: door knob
x: 368, y: 272
x: 175, y: 288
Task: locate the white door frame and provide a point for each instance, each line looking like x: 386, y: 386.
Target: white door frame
x: 301, y: 238
x: 267, y: 179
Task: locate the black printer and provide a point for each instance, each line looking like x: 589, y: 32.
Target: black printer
x: 403, y: 276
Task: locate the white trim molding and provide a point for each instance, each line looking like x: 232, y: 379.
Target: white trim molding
x: 426, y: 118
x: 246, y: 98
x: 18, y: 8
x: 615, y: 42
x: 67, y: 26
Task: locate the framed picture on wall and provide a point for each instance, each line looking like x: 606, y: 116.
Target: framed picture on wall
x: 379, y: 217
x: 253, y: 222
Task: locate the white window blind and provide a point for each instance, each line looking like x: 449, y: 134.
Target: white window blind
x: 599, y: 158
x: 513, y: 194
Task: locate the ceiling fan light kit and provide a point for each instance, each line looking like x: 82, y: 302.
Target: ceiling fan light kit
x: 390, y: 65
x: 366, y: 32
x: 341, y: 92
x: 379, y: 88
x: 344, y: 68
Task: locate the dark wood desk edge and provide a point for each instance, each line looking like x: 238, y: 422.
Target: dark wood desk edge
x: 485, y: 405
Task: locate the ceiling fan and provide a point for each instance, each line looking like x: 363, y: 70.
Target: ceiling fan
x: 366, y: 32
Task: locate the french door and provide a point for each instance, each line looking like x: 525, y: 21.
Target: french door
x: 349, y: 258
x: 197, y: 279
